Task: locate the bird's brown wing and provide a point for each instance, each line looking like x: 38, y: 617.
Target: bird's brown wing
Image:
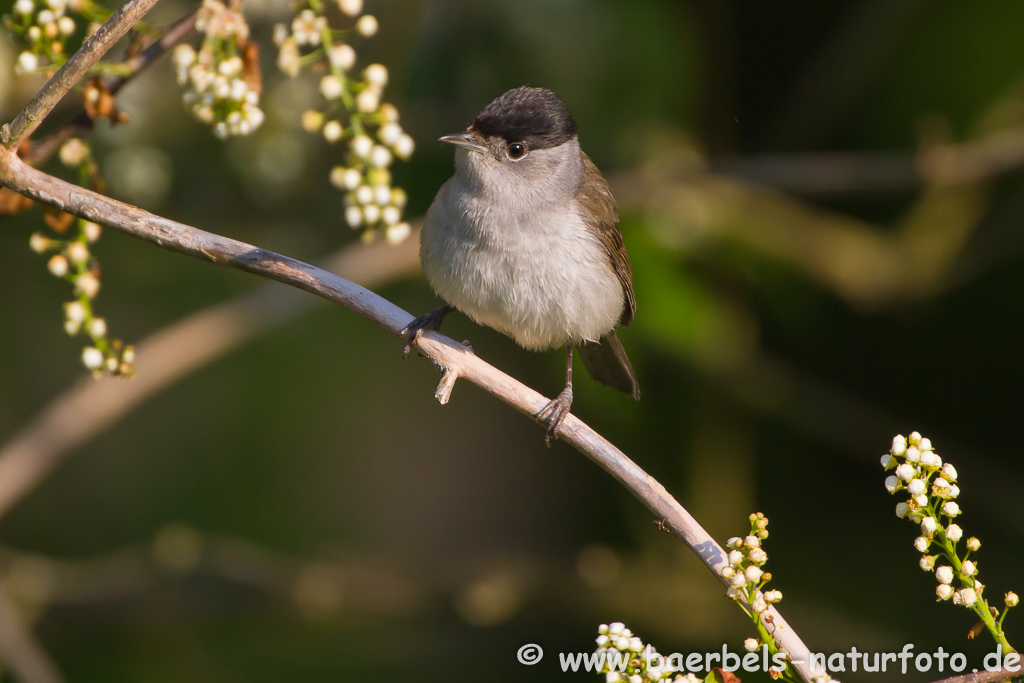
x: 603, y: 220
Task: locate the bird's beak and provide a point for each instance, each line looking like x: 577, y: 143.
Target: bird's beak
x: 470, y: 140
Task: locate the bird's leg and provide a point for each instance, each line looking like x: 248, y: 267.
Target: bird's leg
x: 428, y: 321
x: 556, y: 410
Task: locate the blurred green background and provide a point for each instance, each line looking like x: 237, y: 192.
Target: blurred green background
x: 302, y: 509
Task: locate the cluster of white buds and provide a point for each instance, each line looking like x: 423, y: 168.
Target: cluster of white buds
x: 355, y: 114
x: 624, y: 658
x: 931, y: 490
x: 744, y: 571
x: 73, y: 261
x: 222, y: 79
x: 40, y: 27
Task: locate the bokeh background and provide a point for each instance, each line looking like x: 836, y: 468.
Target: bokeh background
x: 824, y: 214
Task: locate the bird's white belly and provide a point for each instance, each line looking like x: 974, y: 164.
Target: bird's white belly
x: 541, y: 278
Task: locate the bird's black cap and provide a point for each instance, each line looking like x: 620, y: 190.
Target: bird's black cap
x: 532, y: 115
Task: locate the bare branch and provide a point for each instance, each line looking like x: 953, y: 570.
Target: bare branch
x: 443, y: 351
x: 983, y: 677
x: 19, y: 648
x: 73, y: 71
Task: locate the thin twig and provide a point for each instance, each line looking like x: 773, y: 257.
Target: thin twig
x: 983, y: 677
x: 73, y: 71
x: 444, y: 352
x: 19, y: 648
x: 47, y: 147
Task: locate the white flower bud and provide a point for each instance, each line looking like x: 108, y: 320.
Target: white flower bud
x: 389, y: 133
x: 758, y: 556
x: 615, y: 628
x: 602, y: 640
x: 925, y: 444
x: 916, y: 487
x: 371, y: 212
x: 728, y: 571
x: 368, y: 100
x: 759, y: 605
x: 929, y: 526
x: 364, y: 194
x: 944, y: 574
x: 972, y: 543
x: 396, y: 234
x: 954, y: 533
x: 735, y: 557
x: 927, y: 562
x: 66, y: 25
x: 752, y: 542
x: 380, y: 157
x: 733, y: 593
x: 888, y: 462
x: 966, y: 597
x: 914, y: 438
x: 902, y: 509
x: 930, y: 460
x: 27, y: 61
x: 332, y: 131
x: 950, y: 509
x: 58, y: 265
x: 38, y: 242
x: 331, y: 87
x: 750, y: 644
x: 390, y: 215
x: 45, y: 17
x: 753, y: 574
x: 773, y: 596
x: 734, y: 543
x: 87, y: 284
x: 376, y: 75
x: 899, y: 445
x: 353, y: 216
x: 906, y: 472
x: 24, y: 7
x: 77, y: 253
x: 405, y: 146
x: 949, y: 472
x: 968, y: 568
x: 891, y: 483
x: 342, y: 56
x: 635, y: 644
x: 921, y: 544
x: 92, y: 358
x: 98, y: 327
x: 362, y: 146
x: 912, y: 454
x: 91, y: 231
x: 1011, y: 599
x: 74, y: 311
x: 366, y: 25
x: 944, y: 591
x: 351, y: 7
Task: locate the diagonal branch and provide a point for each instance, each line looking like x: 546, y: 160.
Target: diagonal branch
x: 452, y: 357
x: 73, y: 71
x: 19, y: 649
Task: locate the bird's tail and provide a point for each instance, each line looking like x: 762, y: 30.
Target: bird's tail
x: 607, y: 363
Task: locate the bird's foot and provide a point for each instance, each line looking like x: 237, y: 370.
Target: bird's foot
x: 428, y: 321
x: 554, y: 413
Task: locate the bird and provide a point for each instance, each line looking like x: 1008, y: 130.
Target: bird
x: 524, y: 238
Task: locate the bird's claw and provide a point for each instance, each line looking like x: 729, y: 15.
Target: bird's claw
x: 427, y: 321
x: 554, y: 414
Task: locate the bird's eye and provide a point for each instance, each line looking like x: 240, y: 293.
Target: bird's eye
x: 516, y: 151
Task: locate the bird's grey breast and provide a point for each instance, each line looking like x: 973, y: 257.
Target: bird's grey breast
x: 526, y: 267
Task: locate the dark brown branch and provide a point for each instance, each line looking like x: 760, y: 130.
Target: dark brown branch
x: 73, y: 71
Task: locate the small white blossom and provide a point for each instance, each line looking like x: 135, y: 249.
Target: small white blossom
x: 368, y: 100
x: 914, y: 438
x: 759, y: 605
x: 306, y: 28
x: 944, y: 574
x: 77, y: 253
x: 354, y: 216
x: 351, y: 7
x: 752, y: 542
x: 966, y: 597
x: 902, y: 509
x: 332, y: 131
x: 758, y: 556
x: 27, y: 61
x: 735, y: 557
x: 949, y: 472
x: 362, y: 146
x: 390, y: 215
x: 734, y: 543
x: 380, y: 157
x: 773, y: 596
x: 66, y: 26
x: 616, y: 627
x: 944, y: 591
x: 929, y: 526
x: 916, y: 487
x: 92, y: 358
x: 88, y: 285
x: 899, y: 445
x: 950, y: 509
x: 405, y: 146
x: 888, y: 462
x: 371, y: 212
x: 906, y: 472
x: 751, y: 644
x: 1011, y: 599
x: 927, y: 562
x: 925, y: 444
x: 753, y: 574
x: 968, y: 568
x: 331, y: 87
x: 342, y: 56
x: 376, y: 75
x: 954, y: 533
x: 57, y: 265
x: 396, y: 234
x: 728, y: 571
x: 24, y: 7
x: 98, y: 327
x: 972, y: 543
x: 921, y: 544
x: 74, y: 311
x: 366, y: 25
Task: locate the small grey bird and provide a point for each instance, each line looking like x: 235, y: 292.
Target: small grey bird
x: 525, y: 238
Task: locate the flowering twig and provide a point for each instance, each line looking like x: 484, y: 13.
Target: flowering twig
x: 443, y: 351
x: 12, y: 135
x: 931, y: 485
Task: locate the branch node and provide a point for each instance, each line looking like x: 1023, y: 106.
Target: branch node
x: 445, y: 386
